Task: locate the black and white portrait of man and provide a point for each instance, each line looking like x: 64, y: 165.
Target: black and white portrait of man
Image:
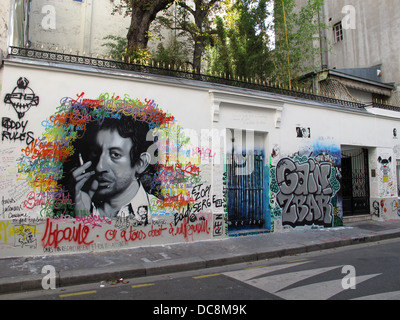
x: 109, y: 161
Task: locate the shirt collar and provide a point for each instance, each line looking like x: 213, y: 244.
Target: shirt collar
x: 139, y: 202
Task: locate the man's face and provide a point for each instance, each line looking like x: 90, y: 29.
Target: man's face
x: 112, y: 163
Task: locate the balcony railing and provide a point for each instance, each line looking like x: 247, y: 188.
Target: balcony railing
x: 91, y: 61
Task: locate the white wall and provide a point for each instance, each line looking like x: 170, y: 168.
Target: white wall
x: 79, y: 26
x: 4, y: 25
x: 199, y: 110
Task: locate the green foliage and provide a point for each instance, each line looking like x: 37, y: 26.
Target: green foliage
x: 241, y: 45
x: 296, y: 29
x: 117, y: 46
x: 174, y: 54
x: 219, y: 56
x: 193, y: 20
x: 238, y: 43
x: 138, y: 54
x: 118, y: 50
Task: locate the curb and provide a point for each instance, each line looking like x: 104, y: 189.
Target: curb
x: 77, y: 277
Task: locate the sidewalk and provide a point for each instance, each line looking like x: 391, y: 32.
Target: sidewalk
x: 23, y: 274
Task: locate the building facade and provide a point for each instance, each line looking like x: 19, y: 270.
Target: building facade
x: 76, y: 26
x: 360, y: 47
x: 223, y: 157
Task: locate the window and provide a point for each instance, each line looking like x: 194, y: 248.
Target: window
x: 338, y: 32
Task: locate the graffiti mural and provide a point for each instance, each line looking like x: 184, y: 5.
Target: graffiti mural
x: 386, y: 208
x: 105, y: 173
x: 22, y: 98
x: 305, y: 190
x: 387, y: 185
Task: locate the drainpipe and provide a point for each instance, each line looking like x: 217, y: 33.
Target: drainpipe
x: 27, y: 14
x: 86, y: 31
x: 18, y: 31
x: 323, y: 41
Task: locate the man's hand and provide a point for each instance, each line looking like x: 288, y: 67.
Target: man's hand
x: 83, y: 199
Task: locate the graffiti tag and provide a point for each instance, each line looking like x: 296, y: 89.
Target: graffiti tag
x: 305, y: 192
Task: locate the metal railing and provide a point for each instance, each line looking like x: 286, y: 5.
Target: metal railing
x: 63, y: 57
x: 381, y: 105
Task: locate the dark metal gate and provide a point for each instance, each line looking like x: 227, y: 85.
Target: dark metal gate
x: 355, y: 182
x: 245, y: 186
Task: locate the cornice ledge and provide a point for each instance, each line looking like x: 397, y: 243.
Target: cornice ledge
x: 218, y: 98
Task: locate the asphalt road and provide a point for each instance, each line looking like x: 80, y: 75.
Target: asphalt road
x: 368, y: 271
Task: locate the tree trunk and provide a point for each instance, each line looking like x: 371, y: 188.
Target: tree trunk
x: 199, y: 15
x: 198, y: 53
x: 143, y: 14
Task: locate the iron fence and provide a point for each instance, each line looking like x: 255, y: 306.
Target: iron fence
x: 63, y: 57
x: 381, y: 105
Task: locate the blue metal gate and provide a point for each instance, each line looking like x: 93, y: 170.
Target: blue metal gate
x: 246, y: 191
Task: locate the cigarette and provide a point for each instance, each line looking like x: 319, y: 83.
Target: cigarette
x: 80, y: 159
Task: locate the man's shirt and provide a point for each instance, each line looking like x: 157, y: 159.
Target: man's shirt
x: 138, y: 207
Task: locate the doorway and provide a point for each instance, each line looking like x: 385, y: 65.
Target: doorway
x: 247, y: 182
x: 355, y: 181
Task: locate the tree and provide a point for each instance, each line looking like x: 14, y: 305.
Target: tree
x: 194, y: 19
x: 241, y: 47
x: 245, y: 47
x: 173, y: 53
x: 142, y: 13
x: 219, y: 55
x: 296, y: 29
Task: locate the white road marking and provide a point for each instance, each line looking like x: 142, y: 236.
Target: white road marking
x: 276, y: 284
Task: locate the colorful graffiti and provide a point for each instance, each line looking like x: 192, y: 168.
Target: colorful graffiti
x: 112, y: 171
x: 386, y: 208
x: 304, y: 190
x: 387, y: 185
x: 107, y: 173
x: 71, y: 148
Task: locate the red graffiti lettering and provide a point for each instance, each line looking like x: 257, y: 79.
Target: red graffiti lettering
x: 154, y: 232
x: 79, y: 96
x: 189, y: 230
x: 47, y: 150
x: 53, y: 236
x: 74, y: 118
x: 111, y: 234
x: 133, y: 235
x: 93, y: 220
x: 32, y: 201
x: 188, y: 168
x: 127, y: 235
